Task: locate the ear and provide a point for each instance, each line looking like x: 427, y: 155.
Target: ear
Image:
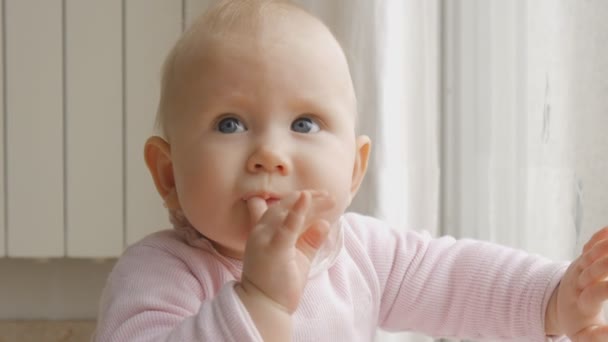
x: 157, y: 153
x: 363, y: 144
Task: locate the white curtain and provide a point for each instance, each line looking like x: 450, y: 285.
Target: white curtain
x: 524, y: 150
x: 508, y: 175
x: 568, y: 84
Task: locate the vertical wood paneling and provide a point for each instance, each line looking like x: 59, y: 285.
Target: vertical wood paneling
x: 94, y: 138
x: 2, y: 160
x: 34, y: 128
x: 152, y: 27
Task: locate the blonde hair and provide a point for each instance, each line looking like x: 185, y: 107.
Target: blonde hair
x: 219, y: 21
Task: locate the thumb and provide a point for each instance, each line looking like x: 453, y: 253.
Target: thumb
x: 312, y: 239
x: 257, y: 207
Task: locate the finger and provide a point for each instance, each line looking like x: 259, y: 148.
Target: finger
x: 595, y: 272
x: 592, y: 297
x: 312, y: 239
x: 287, y: 202
x: 600, y: 235
x: 599, y: 250
x: 272, y: 216
x: 321, y: 203
x: 286, y: 220
x: 257, y: 207
x: 297, y: 214
x: 595, y: 333
x: 287, y: 233
x: 321, y: 199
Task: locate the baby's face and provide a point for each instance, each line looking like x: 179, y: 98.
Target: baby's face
x: 264, y: 119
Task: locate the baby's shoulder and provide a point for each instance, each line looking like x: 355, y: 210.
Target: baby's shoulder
x: 169, y: 247
x: 378, y: 239
x: 367, y: 229
x: 166, y: 241
x: 157, y: 267
x: 368, y: 239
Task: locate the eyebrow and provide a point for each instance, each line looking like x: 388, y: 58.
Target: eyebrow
x: 317, y: 103
x: 237, y: 98
x: 311, y: 102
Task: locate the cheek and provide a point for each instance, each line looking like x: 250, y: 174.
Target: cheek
x: 204, y: 175
x: 331, y: 170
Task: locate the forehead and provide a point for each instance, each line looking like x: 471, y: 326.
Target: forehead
x: 312, y: 68
x: 296, y: 62
x: 277, y: 65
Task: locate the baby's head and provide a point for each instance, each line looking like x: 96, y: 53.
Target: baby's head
x: 256, y: 100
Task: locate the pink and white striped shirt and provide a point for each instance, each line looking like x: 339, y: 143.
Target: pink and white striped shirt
x: 165, y: 289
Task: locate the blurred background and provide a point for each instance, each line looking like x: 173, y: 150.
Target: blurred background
x: 488, y: 120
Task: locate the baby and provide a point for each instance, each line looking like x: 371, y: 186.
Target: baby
x: 257, y: 163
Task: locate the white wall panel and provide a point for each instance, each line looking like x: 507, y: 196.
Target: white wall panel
x: 94, y: 122
x: 34, y: 128
x: 152, y: 27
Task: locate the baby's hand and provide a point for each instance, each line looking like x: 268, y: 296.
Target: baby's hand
x: 282, y: 245
x: 581, y: 293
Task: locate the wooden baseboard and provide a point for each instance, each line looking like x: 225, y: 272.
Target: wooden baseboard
x: 46, y: 331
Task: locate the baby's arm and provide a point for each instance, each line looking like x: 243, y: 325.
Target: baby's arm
x: 457, y: 288
x: 153, y: 294
x: 277, y: 259
x: 575, y: 308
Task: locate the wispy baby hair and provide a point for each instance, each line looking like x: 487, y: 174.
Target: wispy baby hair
x: 218, y: 22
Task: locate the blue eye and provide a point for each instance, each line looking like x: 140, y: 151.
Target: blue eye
x: 230, y: 125
x: 305, y: 125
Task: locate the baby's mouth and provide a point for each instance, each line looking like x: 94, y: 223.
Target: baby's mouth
x: 269, y: 198
x: 258, y: 203
x: 271, y: 201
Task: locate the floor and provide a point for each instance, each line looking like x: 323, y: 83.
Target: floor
x: 46, y: 331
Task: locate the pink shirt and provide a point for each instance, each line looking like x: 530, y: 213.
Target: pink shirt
x: 164, y: 289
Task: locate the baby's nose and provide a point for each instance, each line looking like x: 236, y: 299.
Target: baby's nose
x: 266, y: 159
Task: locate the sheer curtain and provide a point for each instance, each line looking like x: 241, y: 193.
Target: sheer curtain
x: 568, y: 84
x: 508, y: 175
x: 524, y: 147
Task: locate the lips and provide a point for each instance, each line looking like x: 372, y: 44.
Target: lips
x: 271, y: 201
x: 269, y: 197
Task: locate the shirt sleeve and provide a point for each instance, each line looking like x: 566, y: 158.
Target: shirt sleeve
x: 151, y: 295
x: 459, y: 288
